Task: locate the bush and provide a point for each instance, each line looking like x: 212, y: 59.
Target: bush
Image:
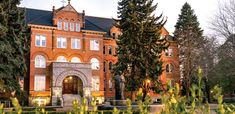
x: 173, y: 103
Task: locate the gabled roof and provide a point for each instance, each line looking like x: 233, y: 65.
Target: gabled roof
x: 42, y: 17
x: 68, y: 7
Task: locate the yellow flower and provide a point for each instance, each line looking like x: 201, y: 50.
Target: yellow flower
x: 173, y: 100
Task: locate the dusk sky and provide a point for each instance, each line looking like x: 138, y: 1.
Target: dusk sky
x: 204, y: 9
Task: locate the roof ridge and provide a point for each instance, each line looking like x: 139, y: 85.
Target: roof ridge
x: 37, y: 9
x: 99, y: 17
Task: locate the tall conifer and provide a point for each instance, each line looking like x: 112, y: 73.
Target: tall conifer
x: 14, y: 45
x: 190, y: 41
x: 139, y: 46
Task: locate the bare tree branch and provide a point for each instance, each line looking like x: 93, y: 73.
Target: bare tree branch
x: 223, y: 23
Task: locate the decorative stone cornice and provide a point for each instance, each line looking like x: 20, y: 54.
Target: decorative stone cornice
x: 41, y: 27
x: 93, y: 32
x: 71, y: 65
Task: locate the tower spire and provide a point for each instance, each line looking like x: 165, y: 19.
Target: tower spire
x: 69, y: 1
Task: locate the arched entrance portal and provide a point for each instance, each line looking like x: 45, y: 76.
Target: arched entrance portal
x: 70, y: 81
x: 72, y: 85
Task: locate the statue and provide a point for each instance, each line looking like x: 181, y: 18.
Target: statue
x: 119, y: 87
x: 122, y: 86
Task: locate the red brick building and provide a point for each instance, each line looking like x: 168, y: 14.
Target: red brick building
x: 71, y: 56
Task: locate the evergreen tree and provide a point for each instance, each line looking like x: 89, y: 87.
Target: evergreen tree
x: 139, y: 47
x: 14, y: 45
x: 190, y: 40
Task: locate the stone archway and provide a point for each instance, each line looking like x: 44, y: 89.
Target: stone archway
x: 61, y: 70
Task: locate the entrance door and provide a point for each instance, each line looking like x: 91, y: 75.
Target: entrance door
x: 70, y: 85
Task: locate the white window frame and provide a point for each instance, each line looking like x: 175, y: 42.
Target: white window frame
x: 95, y: 65
x: 39, y: 83
x: 169, y: 52
x: 59, y: 25
x: 78, y: 28
x: 61, y: 42
x: 75, y: 43
x: 66, y: 25
x: 40, y: 61
x: 71, y: 26
x: 169, y: 68
x: 95, y: 83
x: 40, y: 39
x: 110, y: 84
x: 75, y: 60
x: 94, y: 45
x: 110, y: 50
x: 61, y: 59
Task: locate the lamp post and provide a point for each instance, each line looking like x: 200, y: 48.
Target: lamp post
x: 146, y: 88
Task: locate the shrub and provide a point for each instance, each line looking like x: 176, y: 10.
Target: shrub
x: 173, y: 103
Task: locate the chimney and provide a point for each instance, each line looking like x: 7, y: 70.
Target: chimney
x: 53, y: 10
x: 83, y: 18
x: 53, y: 15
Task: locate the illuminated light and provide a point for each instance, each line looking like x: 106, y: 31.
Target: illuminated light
x: 148, y: 81
x: 40, y: 101
x: 70, y: 77
x: 65, y: 80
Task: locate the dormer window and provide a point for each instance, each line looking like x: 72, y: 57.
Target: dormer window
x: 71, y: 26
x: 78, y: 27
x: 59, y: 25
x: 66, y: 25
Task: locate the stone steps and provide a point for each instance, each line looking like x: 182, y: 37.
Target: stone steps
x: 69, y: 98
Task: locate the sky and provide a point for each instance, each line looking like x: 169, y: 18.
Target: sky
x: 204, y: 9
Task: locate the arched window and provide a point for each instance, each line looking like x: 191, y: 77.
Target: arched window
x: 75, y: 60
x: 169, y: 68
x: 40, y: 61
x: 59, y: 24
x: 71, y: 25
x: 61, y: 59
x: 66, y: 25
x: 78, y: 27
x: 95, y: 65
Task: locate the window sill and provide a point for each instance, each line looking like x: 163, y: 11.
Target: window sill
x: 40, y: 46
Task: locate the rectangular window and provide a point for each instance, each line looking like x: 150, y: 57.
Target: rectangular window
x: 162, y: 36
x: 39, y: 83
x: 66, y: 26
x: 61, y: 42
x: 40, y: 41
x: 59, y: 25
x: 75, y: 43
x: 104, y: 67
x: 104, y: 84
x: 78, y: 27
x: 71, y: 26
x: 169, y: 52
x: 110, y: 85
x: 110, y: 50
x: 94, y: 45
x: 95, y: 82
x: 104, y: 50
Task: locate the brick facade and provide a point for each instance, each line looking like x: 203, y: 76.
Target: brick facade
x: 45, y: 23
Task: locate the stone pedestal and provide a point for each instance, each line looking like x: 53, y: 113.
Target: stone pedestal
x: 118, y: 103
